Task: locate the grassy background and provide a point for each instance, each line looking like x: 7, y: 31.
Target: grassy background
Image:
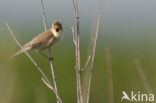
x: 129, y: 33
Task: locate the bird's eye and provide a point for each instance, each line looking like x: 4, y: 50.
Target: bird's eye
x: 57, y: 29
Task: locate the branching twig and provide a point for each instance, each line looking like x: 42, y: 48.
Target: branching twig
x: 86, y: 64
x: 47, y: 84
x: 73, y: 35
x: 81, y: 70
x: 31, y: 59
x: 143, y: 76
x: 77, y: 54
x: 93, y: 56
x: 110, y: 76
x: 50, y: 56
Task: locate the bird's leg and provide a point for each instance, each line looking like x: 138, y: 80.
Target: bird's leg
x: 50, y: 58
x: 44, y: 55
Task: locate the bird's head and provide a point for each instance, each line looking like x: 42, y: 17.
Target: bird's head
x: 57, y: 28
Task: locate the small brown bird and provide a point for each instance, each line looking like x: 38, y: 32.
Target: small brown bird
x: 44, y: 40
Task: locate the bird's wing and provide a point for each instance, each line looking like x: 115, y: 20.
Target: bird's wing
x: 41, y: 39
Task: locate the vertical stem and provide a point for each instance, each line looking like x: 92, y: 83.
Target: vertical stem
x: 43, y: 15
x: 50, y: 56
x: 93, y: 56
x: 54, y: 78
x: 143, y: 76
x: 110, y: 76
x: 77, y: 53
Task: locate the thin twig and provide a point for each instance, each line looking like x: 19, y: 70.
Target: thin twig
x: 50, y: 56
x: 75, y: 44
x: 143, y: 76
x: 77, y: 53
x: 73, y: 35
x: 43, y: 15
x: 86, y: 64
x: 110, y: 76
x: 47, y: 84
x: 28, y: 55
x: 93, y: 56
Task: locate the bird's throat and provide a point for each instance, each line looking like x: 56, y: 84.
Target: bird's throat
x: 56, y: 34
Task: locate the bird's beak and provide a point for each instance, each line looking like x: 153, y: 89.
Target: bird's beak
x: 57, y: 29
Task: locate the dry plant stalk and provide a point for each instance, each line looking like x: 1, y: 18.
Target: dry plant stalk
x: 77, y: 53
x: 143, y: 76
x: 110, y: 75
x: 93, y: 56
x: 87, y: 62
x: 50, y: 56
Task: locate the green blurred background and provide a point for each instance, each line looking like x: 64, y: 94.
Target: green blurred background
x: 128, y: 28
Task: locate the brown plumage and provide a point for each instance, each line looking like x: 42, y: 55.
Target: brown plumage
x: 44, y: 40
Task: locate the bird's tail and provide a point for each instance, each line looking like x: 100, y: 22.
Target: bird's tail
x: 20, y: 51
x: 17, y: 53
